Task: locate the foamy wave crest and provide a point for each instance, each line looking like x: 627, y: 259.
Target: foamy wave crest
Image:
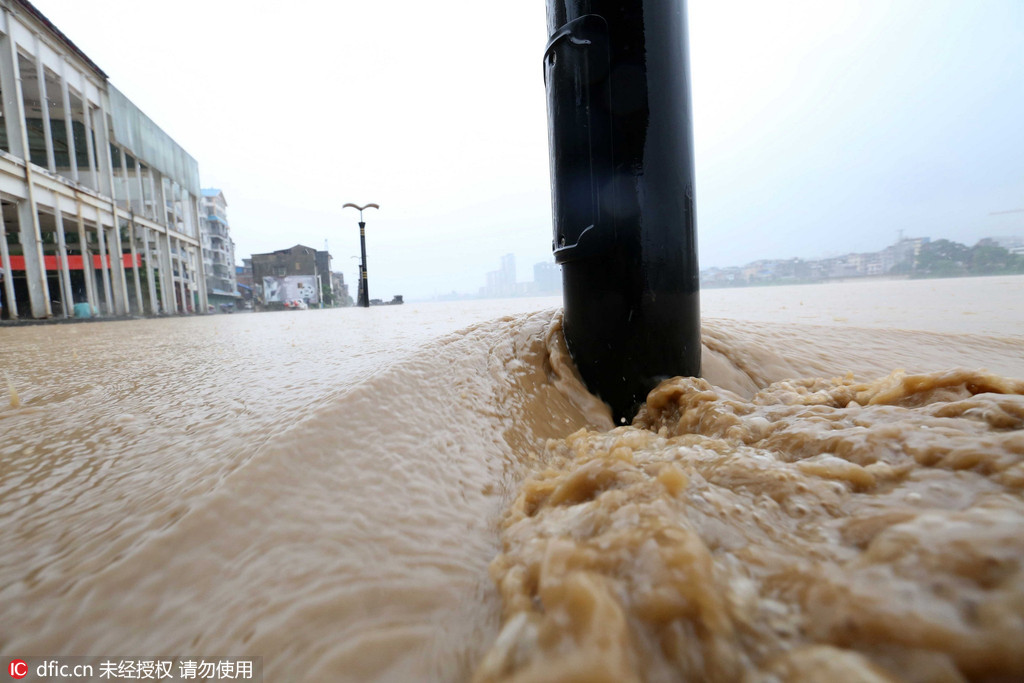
x: 819, y: 530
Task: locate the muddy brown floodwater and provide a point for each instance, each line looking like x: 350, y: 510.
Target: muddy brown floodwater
x: 426, y: 492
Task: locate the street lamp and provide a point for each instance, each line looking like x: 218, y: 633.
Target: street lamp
x: 364, y: 290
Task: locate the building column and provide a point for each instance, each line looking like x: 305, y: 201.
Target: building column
x: 190, y: 291
x: 204, y: 295
x: 181, y: 276
x: 130, y: 208
x: 155, y: 196
x: 124, y: 180
x: 10, y: 83
x: 160, y: 199
x: 29, y: 234
x: 157, y: 268
x: 154, y: 308
x: 35, y: 267
x: 87, y: 267
x: 104, y: 162
x: 69, y: 128
x: 142, y: 188
x: 68, y: 300
x: 174, y: 205
x: 202, y: 304
x: 167, y: 213
x: 106, y: 171
x: 104, y: 263
x: 186, y: 215
x: 195, y: 255
x: 135, y: 265
x: 89, y: 147
x: 171, y: 297
x: 5, y: 263
x: 116, y: 250
x: 127, y: 179
x: 44, y: 105
x: 167, y: 284
x: 161, y: 261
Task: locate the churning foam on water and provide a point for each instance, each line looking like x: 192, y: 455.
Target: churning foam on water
x: 819, y: 529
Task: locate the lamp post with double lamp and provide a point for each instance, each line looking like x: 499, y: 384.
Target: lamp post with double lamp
x: 365, y: 299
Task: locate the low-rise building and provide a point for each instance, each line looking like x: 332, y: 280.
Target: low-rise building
x: 243, y: 278
x: 286, y: 275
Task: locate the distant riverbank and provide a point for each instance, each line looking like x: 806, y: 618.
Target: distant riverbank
x: 741, y: 284
x: 836, y: 280
x: 992, y: 305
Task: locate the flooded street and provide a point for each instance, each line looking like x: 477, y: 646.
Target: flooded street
x: 378, y: 494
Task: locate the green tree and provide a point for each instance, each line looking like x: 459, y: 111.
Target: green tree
x: 990, y: 259
x: 942, y: 258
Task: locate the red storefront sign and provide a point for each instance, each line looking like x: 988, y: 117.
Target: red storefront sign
x: 74, y: 262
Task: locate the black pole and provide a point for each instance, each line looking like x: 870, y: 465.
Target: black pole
x: 621, y: 146
x: 365, y: 300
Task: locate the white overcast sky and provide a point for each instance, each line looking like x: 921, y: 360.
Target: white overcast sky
x: 821, y: 127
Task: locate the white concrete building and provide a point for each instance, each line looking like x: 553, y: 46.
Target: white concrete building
x: 99, y: 205
x: 218, y: 248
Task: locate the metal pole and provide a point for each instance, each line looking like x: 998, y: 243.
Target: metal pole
x: 364, y: 299
x: 621, y: 149
x: 365, y: 302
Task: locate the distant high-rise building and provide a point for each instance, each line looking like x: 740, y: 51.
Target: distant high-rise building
x: 218, y: 248
x: 508, y: 274
x: 502, y: 282
x: 546, y: 278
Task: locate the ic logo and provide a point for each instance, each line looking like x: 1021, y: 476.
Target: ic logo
x: 17, y: 668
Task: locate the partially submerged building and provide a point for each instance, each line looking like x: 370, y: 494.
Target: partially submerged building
x: 243, y: 276
x: 100, y: 206
x: 286, y: 275
x: 218, y: 249
x: 339, y: 290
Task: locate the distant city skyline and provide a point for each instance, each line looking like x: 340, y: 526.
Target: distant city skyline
x: 503, y: 281
x: 900, y: 235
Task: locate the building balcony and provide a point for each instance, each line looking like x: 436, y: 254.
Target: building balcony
x: 216, y: 230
